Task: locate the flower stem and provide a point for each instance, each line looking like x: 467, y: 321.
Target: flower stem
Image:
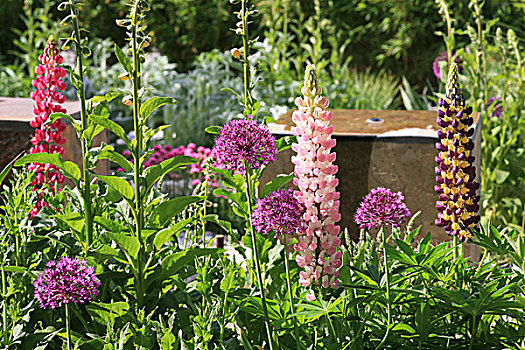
x: 256, y: 257
x: 387, y: 272
x: 290, y: 297
x: 246, y: 47
x: 382, y: 232
x: 68, y: 327
x: 137, y: 127
x: 86, y: 188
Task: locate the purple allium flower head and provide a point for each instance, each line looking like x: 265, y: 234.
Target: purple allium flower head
x: 66, y: 281
x: 244, y: 141
x: 497, y: 110
x: 279, y: 213
x: 382, y: 207
x: 442, y: 56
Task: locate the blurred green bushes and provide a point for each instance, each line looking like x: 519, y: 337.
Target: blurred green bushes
x: 393, y: 35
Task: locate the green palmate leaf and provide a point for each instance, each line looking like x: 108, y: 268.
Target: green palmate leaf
x: 74, y: 220
x: 277, y: 183
x: 152, y: 104
x: 164, y: 235
x: 213, y: 130
x: 111, y: 126
x: 165, y: 211
x: 285, y: 142
x: 154, y: 173
x: 123, y: 59
x: 70, y: 169
x: 109, y: 153
x: 118, y: 184
x: 173, y: 263
x: 129, y: 244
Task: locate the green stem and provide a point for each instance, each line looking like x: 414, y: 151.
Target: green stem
x: 137, y: 127
x: 382, y: 232
x: 205, y: 205
x: 387, y: 272
x: 4, y: 308
x: 290, y: 297
x: 85, y: 144
x: 256, y: 256
x: 246, y: 47
x: 68, y: 327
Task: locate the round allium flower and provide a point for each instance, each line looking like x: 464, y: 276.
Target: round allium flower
x: 441, y: 57
x: 458, y: 202
x: 382, y: 207
x: 66, y: 281
x: 497, y: 108
x: 317, y: 247
x: 279, y: 213
x: 244, y: 141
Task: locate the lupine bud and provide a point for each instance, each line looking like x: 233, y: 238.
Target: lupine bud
x: 458, y: 203
x: 318, y: 246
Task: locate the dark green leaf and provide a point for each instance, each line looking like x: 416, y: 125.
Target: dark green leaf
x: 165, y: 211
x: 152, y: 104
x: 70, y: 169
x: 164, y: 235
x: 277, y: 183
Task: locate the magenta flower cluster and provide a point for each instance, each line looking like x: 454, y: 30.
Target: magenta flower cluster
x: 244, y: 142
x: 317, y: 248
x: 497, y: 108
x: 381, y: 207
x: 47, y: 138
x: 162, y: 153
x: 280, y: 214
x: 441, y: 57
x: 66, y: 281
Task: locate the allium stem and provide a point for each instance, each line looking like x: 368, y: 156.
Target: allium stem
x: 290, y: 297
x: 68, y: 327
x: 256, y: 255
x: 383, y: 233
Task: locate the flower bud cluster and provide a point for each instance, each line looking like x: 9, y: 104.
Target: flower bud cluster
x: 318, y: 245
x: 47, y: 138
x: 455, y: 172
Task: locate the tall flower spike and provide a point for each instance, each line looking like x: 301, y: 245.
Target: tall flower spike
x: 48, y: 138
x: 458, y: 201
x: 318, y: 244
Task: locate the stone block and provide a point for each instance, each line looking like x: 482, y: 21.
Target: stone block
x: 394, y: 149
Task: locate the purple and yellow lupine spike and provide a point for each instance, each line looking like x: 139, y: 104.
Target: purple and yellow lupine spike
x: 458, y: 202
